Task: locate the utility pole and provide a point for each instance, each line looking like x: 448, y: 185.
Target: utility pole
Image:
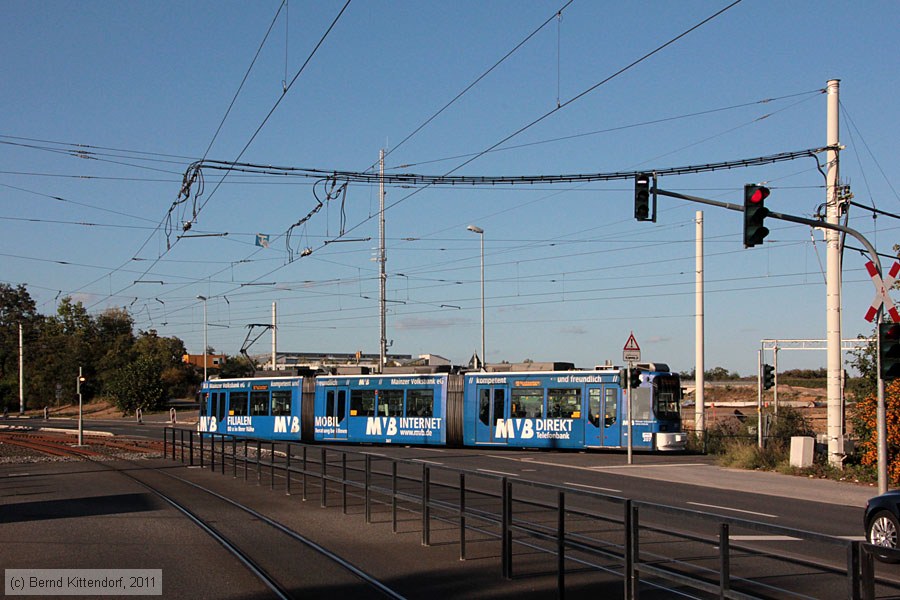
x: 274, y: 338
x: 21, y: 373
x: 699, y: 356
x: 382, y: 276
x: 835, y: 420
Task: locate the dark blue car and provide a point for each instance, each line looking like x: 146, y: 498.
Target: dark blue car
x: 882, y: 523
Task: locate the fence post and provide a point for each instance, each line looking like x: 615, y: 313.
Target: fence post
x: 324, y: 481
x: 505, y: 539
x: 212, y: 453
x: 181, y: 443
x: 724, y: 562
x: 202, y: 459
x: 173, y: 443
x: 287, y: 469
x: 344, y: 482
x: 223, y: 455
x: 258, y: 457
x: 368, y: 485
x: 272, y: 468
x: 462, y: 516
x: 866, y: 589
x: 394, y: 496
x: 246, y: 457
x: 304, y: 474
x: 561, y: 545
x: 165, y: 442
x: 234, y: 457
x: 191, y: 441
x: 629, y: 553
x: 426, y: 499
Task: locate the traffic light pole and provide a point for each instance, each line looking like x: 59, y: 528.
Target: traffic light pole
x: 80, y: 419
x: 881, y: 423
x: 630, y: 428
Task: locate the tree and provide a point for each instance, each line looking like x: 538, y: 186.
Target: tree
x: 233, y: 367
x: 714, y: 374
x: 178, y: 379
x: 865, y: 362
x: 138, y: 385
x: 864, y: 426
x: 16, y: 308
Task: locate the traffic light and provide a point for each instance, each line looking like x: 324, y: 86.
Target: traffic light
x: 768, y: 377
x: 889, y: 350
x: 642, y: 197
x: 755, y: 213
x: 635, y: 378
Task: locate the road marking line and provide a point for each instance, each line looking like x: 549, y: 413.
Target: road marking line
x: 498, y: 472
x: 428, y: 462
x: 748, y: 512
x: 648, y: 466
x: 593, y: 487
x: 852, y: 538
x: 763, y: 538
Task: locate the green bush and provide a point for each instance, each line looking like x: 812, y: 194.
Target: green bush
x: 735, y: 440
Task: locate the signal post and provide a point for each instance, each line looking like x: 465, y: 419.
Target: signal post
x: 631, y: 354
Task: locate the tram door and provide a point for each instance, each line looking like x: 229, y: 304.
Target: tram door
x: 336, y: 406
x: 603, y: 426
x: 493, y: 411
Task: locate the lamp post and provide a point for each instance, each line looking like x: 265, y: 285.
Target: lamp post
x: 205, y: 344
x: 480, y: 232
x: 78, y: 381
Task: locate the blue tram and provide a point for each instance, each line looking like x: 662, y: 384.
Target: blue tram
x: 382, y: 409
x: 572, y: 409
x: 268, y: 408
x: 555, y: 408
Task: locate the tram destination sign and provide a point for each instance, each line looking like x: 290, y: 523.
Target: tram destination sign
x: 631, y: 352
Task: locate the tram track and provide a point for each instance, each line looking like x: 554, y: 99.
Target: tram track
x: 288, y: 564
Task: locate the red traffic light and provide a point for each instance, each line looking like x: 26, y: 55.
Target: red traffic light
x: 759, y: 194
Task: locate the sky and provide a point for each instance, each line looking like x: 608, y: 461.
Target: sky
x: 106, y: 105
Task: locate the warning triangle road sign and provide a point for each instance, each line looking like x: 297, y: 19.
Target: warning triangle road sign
x: 632, y: 344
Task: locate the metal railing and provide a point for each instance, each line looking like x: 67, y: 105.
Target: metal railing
x: 629, y: 539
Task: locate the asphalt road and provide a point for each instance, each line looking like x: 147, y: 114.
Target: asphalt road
x: 684, y: 481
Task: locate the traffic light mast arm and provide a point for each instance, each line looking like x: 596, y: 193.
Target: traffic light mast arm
x: 777, y: 215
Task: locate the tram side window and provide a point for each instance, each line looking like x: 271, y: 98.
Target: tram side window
x: 612, y: 408
x: 204, y: 398
x: 220, y: 405
x: 641, y: 407
x: 528, y: 404
x: 362, y: 403
x: 420, y: 403
x: 484, y: 411
x: 237, y: 404
x: 390, y: 403
x: 666, y: 405
x: 281, y: 402
x: 594, y: 406
x: 667, y: 390
x: 336, y: 408
x: 259, y: 404
x: 564, y: 404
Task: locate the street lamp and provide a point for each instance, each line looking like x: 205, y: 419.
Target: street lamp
x: 480, y: 232
x: 205, y: 344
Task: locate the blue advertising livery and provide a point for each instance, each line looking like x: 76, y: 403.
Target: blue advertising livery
x: 383, y: 409
x: 563, y: 409
x: 268, y: 408
x: 571, y: 409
